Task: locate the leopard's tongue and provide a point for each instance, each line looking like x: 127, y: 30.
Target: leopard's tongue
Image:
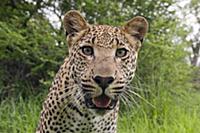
x: 102, y: 101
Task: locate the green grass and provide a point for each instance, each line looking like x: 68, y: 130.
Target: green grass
x: 171, y: 114
x: 168, y: 116
x: 19, y: 116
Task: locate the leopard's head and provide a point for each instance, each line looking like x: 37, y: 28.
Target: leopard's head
x: 103, y: 58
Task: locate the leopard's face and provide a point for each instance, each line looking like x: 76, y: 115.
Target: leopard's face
x: 103, y: 60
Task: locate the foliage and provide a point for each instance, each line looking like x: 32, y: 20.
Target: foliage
x: 32, y: 49
x: 30, y: 53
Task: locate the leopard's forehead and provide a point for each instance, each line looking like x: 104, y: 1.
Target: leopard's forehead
x: 104, y: 36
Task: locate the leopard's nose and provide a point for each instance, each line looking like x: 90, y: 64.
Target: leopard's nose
x: 103, y: 82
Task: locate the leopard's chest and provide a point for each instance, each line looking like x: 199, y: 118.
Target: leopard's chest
x: 73, y: 120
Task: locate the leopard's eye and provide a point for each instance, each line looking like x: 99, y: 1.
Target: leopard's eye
x: 121, y: 52
x: 87, y: 50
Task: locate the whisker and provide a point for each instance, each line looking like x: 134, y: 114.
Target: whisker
x: 131, y: 98
x: 137, y: 88
x: 123, y: 100
x: 139, y: 96
x: 126, y: 101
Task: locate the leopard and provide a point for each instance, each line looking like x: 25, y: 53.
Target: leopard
x: 85, y: 94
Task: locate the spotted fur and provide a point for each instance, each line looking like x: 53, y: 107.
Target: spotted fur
x: 70, y: 106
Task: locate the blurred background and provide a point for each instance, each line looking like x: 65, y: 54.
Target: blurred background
x: 166, y: 87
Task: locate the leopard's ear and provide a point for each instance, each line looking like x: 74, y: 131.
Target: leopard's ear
x: 137, y: 27
x: 74, y: 22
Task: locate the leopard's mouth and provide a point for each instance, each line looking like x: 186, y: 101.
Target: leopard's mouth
x: 100, y: 102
